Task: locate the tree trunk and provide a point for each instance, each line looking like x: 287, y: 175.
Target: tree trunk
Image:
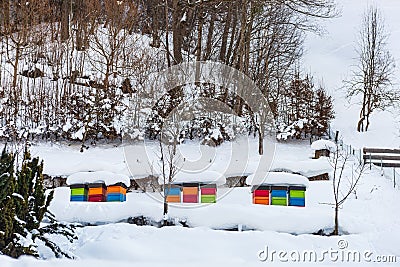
x: 260, y: 142
x: 360, y: 125
x: 16, y: 62
x: 198, y: 48
x: 224, y: 41
x: 165, y: 212
x: 177, y: 38
x: 154, y: 24
x: 209, y: 38
x: 336, y: 230
x: 232, y: 40
x: 65, y: 10
x: 167, y: 34
x: 199, y: 37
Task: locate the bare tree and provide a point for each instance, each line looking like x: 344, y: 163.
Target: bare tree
x: 169, y: 165
x: 344, y: 183
x: 111, y: 39
x: 372, y: 77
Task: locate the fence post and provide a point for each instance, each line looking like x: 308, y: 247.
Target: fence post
x: 381, y: 167
x: 370, y: 161
x: 394, y: 177
x: 361, y: 159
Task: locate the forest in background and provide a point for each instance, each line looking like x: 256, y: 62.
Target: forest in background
x: 78, y: 69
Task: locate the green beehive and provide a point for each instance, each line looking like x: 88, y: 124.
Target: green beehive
x: 208, y: 199
x: 281, y: 201
x: 297, y: 193
x: 78, y: 191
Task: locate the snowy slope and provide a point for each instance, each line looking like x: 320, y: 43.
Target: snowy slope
x: 331, y: 58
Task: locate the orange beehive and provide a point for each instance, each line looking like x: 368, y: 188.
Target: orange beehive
x: 190, y: 190
x: 116, y: 192
x: 174, y: 199
x: 116, y: 189
x: 261, y: 200
x: 97, y: 191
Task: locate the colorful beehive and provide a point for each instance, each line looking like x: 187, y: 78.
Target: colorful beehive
x: 279, y: 195
x: 79, y: 192
x: 261, y: 194
x: 190, y: 192
x: 297, y: 196
x: 173, y: 193
x: 116, y: 192
x: 208, y: 193
x: 97, y: 192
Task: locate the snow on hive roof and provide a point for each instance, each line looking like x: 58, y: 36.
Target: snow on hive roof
x: 278, y: 178
x: 324, y: 144
x: 308, y: 168
x: 202, y: 177
x: 106, y: 177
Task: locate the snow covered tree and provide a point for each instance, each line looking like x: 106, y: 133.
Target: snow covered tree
x: 7, y: 186
x: 323, y: 111
x: 373, y: 75
x: 93, y: 115
x: 24, y: 206
x: 304, y: 110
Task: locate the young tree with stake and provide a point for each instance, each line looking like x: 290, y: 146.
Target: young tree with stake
x: 341, y: 189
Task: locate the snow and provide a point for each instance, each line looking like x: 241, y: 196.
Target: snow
x: 61, y: 160
x: 370, y: 217
x: 141, y: 159
x: 184, y: 17
x: 18, y: 196
x: 233, y: 207
x: 79, y: 134
x: 278, y: 178
x: 103, y: 246
x: 324, y: 144
x: 106, y: 177
x: 307, y: 168
x: 202, y: 177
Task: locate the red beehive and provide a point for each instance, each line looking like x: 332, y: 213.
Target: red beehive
x: 261, y: 195
x: 190, y: 198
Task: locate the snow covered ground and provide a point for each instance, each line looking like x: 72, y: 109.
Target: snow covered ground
x: 369, y: 221
x: 371, y: 218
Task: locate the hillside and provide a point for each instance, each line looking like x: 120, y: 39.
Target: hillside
x: 333, y: 56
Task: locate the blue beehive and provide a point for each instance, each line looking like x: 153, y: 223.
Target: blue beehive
x: 279, y: 195
x: 116, y: 197
x: 173, y: 191
x: 297, y: 196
